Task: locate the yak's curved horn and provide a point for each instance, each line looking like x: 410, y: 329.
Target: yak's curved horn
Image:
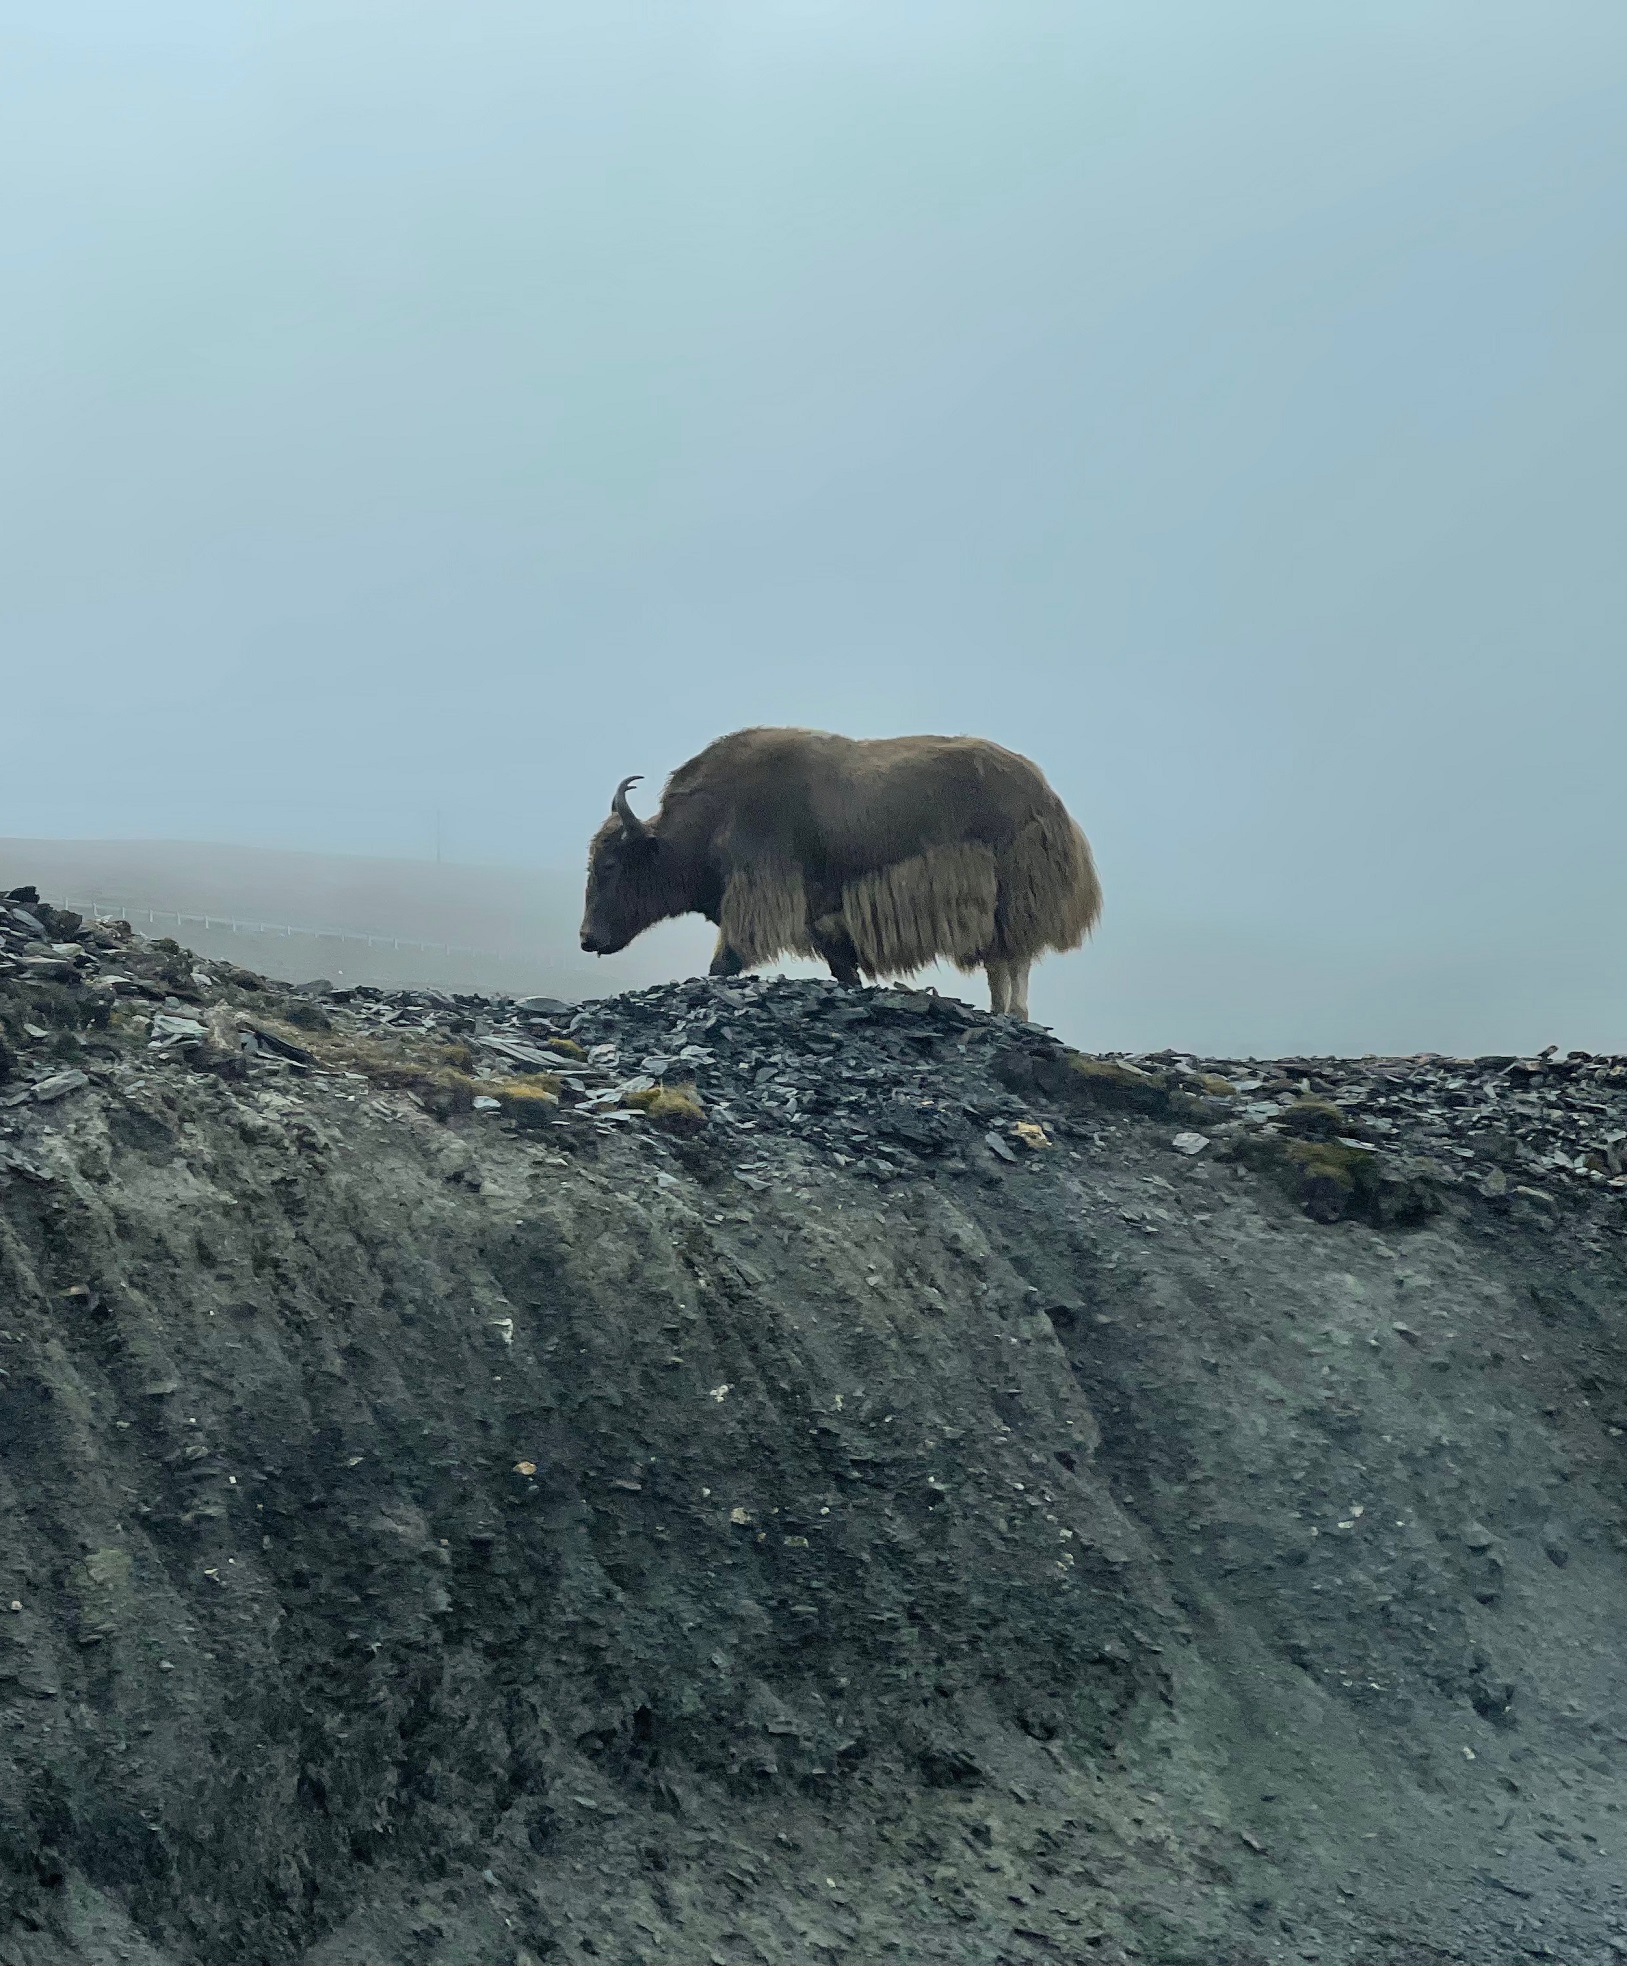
x: 634, y: 826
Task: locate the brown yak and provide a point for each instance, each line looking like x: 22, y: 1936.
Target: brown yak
x: 878, y: 855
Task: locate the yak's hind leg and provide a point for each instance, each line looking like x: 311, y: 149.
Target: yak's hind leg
x: 999, y: 974
x: 1008, y: 989
x: 725, y: 961
x: 835, y: 946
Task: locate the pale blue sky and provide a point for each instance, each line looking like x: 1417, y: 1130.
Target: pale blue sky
x: 410, y: 407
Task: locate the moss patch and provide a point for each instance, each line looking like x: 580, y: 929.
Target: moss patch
x: 448, y: 1092
x: 1108, y: 1082
x: 1334, y: 1182
x: 530, y: 1101
x: 676, y: 1107
x: 1101, y: 1072
x: 401, y: 1067
x: 1314, y: 1119
x: 1331, y: 1177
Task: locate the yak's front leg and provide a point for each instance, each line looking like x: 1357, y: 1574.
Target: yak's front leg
x: 830, y: 937
x: 725, y: 961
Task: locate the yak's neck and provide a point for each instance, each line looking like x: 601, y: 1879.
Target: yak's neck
x: 670, y: 884
x: 692, y: 869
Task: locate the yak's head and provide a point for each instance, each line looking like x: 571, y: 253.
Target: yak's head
x: 626, y: 891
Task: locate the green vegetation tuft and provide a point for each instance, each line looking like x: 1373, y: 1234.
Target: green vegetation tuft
x: 402, y: 1067
x: 1314, y: 1119
x: 1351, y: 1168
x: 447, y: 1092
x: 1103, y: 1072
x: 676, y: 1107
x: 1110, y: 1082
x: 530, y: 1100
x: 1334, y: 1181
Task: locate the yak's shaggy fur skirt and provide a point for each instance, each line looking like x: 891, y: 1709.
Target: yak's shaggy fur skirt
x: 942, y: 903
x: 966, y: 905
x: 765, y: 913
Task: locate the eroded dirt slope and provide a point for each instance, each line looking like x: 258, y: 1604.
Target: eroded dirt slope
x: 512, y: 1533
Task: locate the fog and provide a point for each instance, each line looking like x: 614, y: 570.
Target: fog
x: 418, y: 419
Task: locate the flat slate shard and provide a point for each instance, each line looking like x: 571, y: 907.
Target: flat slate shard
x: 58, y: 1086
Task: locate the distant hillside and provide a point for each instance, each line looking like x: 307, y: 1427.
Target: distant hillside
x: 300, y: 915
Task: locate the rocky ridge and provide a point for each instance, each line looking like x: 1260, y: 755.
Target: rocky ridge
x: 887, y: 1082
x: 756, y: 1472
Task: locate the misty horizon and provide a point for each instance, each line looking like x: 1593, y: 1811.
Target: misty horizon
x: 1125, y: 993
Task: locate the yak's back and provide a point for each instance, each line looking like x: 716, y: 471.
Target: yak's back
x: 863, y: 803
